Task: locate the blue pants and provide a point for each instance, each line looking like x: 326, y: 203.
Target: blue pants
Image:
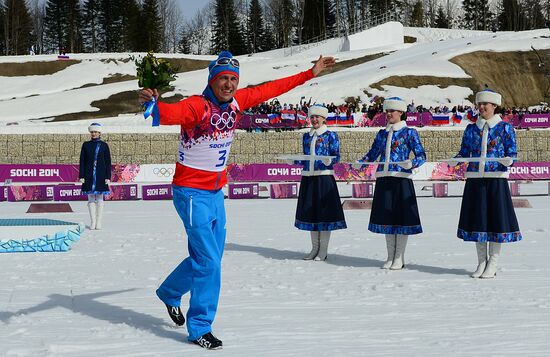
x: 203, y: 215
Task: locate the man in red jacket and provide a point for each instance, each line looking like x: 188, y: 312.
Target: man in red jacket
x: 208, y: 123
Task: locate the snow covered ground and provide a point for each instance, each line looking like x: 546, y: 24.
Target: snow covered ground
x: 98, y: 299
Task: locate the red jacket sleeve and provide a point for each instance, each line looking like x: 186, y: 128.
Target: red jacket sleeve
x: 187, y: 112
x: 250, y: 97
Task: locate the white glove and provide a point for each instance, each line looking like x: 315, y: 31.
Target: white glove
x: 326, y: 161
x: 507, y: 161
x: 107, y: 181
x: 289, y: 162
x: 407, y: 164
x: 452, y: 163
x: 82, y: 180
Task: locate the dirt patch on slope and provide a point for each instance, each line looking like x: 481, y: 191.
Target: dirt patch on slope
x: 34, y: 68
x: 120, y: 103
x: 516, y: 75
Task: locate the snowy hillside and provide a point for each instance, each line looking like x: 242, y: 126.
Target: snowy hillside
x: 69, y: 91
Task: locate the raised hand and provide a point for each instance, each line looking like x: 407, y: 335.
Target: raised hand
x: 322, y: 64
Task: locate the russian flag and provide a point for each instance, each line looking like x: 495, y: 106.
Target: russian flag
x: 343, y: 119
x: 472, y: 115
x: 440, y: 119
x: 332, y: 119
x: 274, y: 118
x: 457, y: 118
x: 288, y: 115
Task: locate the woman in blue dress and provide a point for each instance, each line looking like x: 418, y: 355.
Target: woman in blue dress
x: 487, y: 214
x: 95, y: 173
x: 394, y: 209
x: 319, y: 209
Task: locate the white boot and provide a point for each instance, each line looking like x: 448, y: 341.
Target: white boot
x: 323, y: 245
x: 99, y: 214
x: 92, y: 208
x: 314, y: 246
x: 491, y: 268
x: 399, y: 258
x: 481, y: 259
x: 390, y: 244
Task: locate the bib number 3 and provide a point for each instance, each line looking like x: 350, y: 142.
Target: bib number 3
x: 222, y: 158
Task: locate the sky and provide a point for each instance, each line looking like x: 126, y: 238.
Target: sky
x: 190, y: 7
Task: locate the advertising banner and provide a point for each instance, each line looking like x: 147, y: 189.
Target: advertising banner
x: 30, y: 193
x: 122, y: 193
x: 156, y: 192
x: 68, y: 193
x: 38, y: 173
x: 362, y: 190
x: 283, y: 190
x: 243, y: 190
x: 535, y: 121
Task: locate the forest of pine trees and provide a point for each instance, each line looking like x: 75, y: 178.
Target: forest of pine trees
x: 240, y: 26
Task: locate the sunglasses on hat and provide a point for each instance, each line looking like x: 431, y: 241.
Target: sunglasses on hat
x: 226, y: 60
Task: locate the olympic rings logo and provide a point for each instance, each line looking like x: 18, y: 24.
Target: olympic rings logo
x: 225, y: 121
x: 163, y: 171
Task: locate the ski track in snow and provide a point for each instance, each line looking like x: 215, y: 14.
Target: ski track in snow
x: 99, y: 300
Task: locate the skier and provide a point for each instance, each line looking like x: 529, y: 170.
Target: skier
x: 319, y: 209
x: 487, y: 214
x: 394, y: 208
x: 207, y: 125
x: 95, y: 173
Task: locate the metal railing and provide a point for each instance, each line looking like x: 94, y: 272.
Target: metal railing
x: 334, y: 34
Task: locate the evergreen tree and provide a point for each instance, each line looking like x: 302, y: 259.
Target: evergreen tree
x: 267, y: 41
x: 533, y: 14
x: 417, y: 16
x: 55, y: 25
x: 73, y: 36
x: 441, y: 21
x: 319, y: 19
x: 91, y: 31
x: 227, y: 33
x: 255, y: 27
x: 284, y: 18
x: 477, y: 15
x: 511, y: 17
x: 185, y: 41
x: 17, y: 27
x: 382, y: 7
x: 3, y: 49
x: 150, y: 20
x: 134, y: 31
x: 220, y: 38
x: 110, y: 21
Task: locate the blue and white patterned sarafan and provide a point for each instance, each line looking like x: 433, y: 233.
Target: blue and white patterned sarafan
x: 327, y: 144
x: 501, y: 142
x: 404, y: 141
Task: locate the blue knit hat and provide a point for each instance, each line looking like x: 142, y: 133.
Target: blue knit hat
x: 215, y: 68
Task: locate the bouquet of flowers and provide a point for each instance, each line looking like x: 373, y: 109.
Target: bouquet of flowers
x: 154, y: 73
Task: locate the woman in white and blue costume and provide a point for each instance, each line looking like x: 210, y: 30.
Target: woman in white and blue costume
x: 394, y: 208
x: 319, y: 209
x: 487, y: 215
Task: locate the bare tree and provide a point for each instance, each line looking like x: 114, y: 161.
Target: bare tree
x: 198, y: 31
x: 173, y: 25
x: 170, y: 19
